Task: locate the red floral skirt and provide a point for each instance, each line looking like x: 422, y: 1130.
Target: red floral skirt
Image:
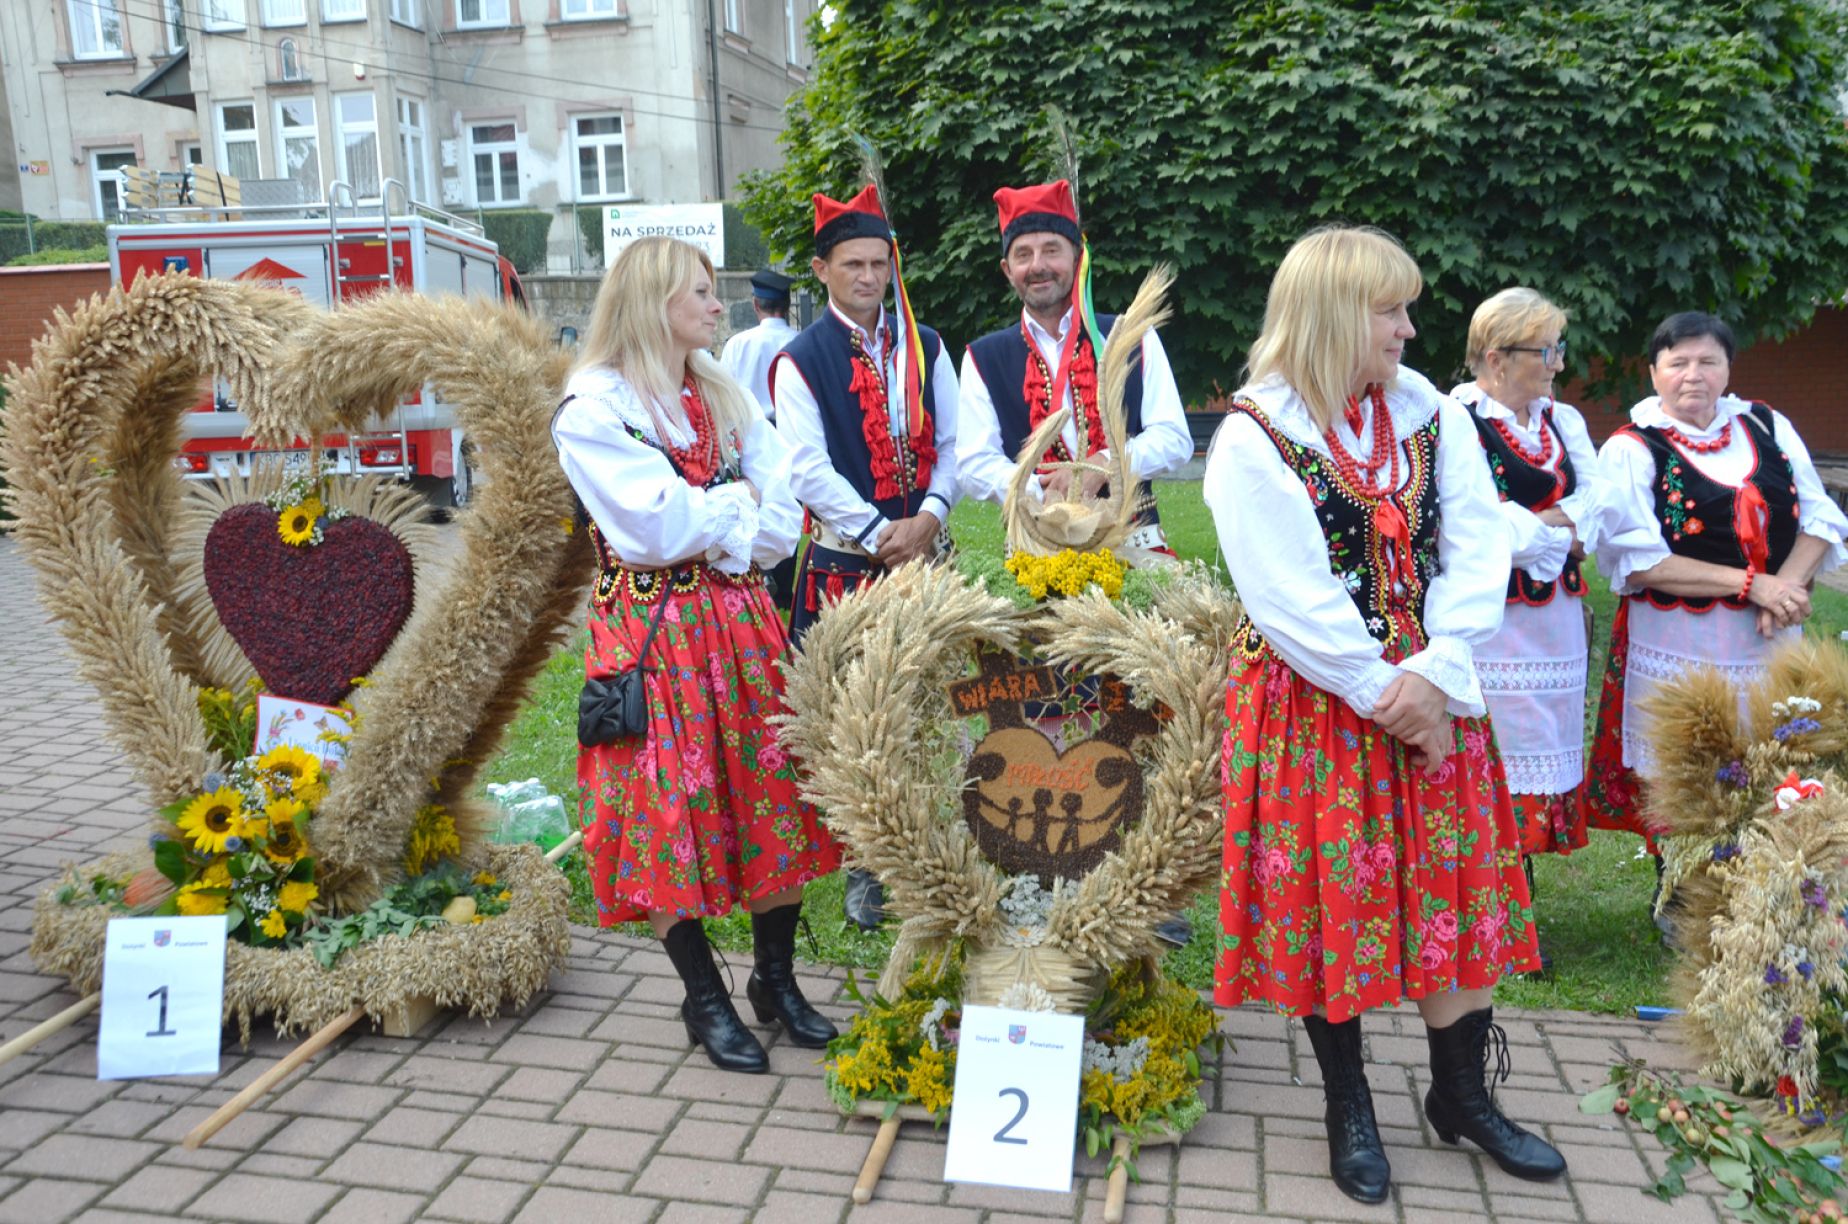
x: 1551, y: 824
x: 1613, y: 791
x: 1353, y: 880
x: 703, y: 812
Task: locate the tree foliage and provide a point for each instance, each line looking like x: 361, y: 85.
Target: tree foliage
x: 1629, y: 158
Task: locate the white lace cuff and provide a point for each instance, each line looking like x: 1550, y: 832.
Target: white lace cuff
x: 1635, y: 561
x: 734, y: 528
x: 1364, y: 695
x: 1449, y: 663
x: 1547, y: 562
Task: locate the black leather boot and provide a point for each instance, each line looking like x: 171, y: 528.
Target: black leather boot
x: 1356, y: 1158
x: 772, y: 989
x: 710, y: 1018
x: 1461, y: 1105
x: 863, y: 902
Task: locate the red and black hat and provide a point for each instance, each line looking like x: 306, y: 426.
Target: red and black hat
x: 1046, y: 208
x: 860, y: 217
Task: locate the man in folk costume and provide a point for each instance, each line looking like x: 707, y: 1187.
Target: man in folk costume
x: 1014, y: 378
x: 866, y: 399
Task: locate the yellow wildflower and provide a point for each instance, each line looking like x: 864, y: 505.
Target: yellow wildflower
x: 274, y: 924
x: 194, y: 903
x: 485, y: 879
x: 297, y: 895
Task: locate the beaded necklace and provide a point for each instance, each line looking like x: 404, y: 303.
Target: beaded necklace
x: 700, y: 460
x: 1542, y: 460
x: 1385, y: 453
x: 1706, y: 447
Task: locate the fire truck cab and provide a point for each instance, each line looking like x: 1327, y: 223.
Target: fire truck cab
x: 330, y: 254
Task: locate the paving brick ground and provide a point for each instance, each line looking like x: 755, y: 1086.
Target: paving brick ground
x: 587, y: 1106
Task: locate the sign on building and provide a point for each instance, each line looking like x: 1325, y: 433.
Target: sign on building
x: 703, y: 225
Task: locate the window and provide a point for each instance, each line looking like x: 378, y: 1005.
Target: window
x: 284, y: 12
x: 494, y: 151
x: 298, y: 144
x: 343, y: 10
x: 478, y: 14
x: 175, y: 23
x: 106, y: 184
x: 408, y: 12
x: 289, y: 62
x: 237, y: 140
x: 413, y: 149
x: 222, y: 14
x: 192, y: 154
x: 734, y: 16
x: 587, y: 10
x: 356, y: 151
x: 792, y: 34
x: 601, y: 157
x: 96, y: 29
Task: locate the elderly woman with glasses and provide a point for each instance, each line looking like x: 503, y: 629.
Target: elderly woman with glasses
x: 1546, y: 474
x: 1715, y: 524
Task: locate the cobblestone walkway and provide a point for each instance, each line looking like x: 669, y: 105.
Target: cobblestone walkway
x: 588, y: 1107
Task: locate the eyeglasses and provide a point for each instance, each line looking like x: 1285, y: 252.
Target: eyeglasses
x: 1547, y: 353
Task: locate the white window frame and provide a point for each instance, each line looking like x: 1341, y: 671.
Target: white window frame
x: 215, y: 15
x: 589, y: 10
x: 284, y: 134
x: 344, y: 130
x: 276, y: 14
x: 225, y: 137
x: 734, y: 17
x: 192, y: 153
x: 96, y: 179
x: 333, y: 11
x: 173, y: 25
x: 495, y: 149
x: 486, y: 18
x: 792, y: 33
x: 414, y: 147
x: 408, y: 12
x: 91, y: 18
x: 602, y: 140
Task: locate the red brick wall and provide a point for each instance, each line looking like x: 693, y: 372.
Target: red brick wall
x: 1804, y: 376
x: 29, y: 295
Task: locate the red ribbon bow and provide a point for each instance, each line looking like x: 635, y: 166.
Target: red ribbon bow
x: 1391, y: 524
x: 1751, y: 524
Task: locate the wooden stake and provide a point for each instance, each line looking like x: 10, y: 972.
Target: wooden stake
x: 1118, y: 1189
x: 317, y: 1042
x: 45, y: 1028
x: 876, y: 1160
x: 565, y: 847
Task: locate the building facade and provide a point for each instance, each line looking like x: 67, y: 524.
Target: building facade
x: 471, y: 104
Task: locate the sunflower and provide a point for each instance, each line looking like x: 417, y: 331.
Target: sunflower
x: 296, y: 896
x: 194, y: 902
x: 285, y: 844
x: 297, y: 767
x: 213, y: 819
x: 296, y: 525
x: 274, y: 924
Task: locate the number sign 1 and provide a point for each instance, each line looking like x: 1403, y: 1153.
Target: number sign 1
x: 1015, y: 1118
x: 163, y: 997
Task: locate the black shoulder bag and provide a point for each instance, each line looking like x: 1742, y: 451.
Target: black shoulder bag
x: 612, y: 708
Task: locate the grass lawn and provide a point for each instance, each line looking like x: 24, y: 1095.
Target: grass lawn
x: 1592, y: 906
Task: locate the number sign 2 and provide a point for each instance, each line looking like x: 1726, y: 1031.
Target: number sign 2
x: 163, y: 997
x: 1015, y: 1117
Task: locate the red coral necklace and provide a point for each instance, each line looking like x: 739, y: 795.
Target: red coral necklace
x: 1706, y: 446
x: 700, y: 461
x: 1385, y: 453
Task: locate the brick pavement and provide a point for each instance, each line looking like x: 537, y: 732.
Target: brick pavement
x: 587, y: 1106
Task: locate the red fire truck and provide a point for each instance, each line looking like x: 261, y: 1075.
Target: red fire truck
x: 329, y: 254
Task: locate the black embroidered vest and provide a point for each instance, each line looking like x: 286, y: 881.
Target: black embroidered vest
x: 1695, y: 512
x: 1525, y: 484
x: 823, y: 352
x: 1394, y: 614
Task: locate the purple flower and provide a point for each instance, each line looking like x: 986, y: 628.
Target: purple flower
x: 1774, y: 976
x: 1812, y: 1117
x: 1733, y: 774
x: 1796, y: 726
x: 1793, y: 1033
x: 234, y: 845
x: 1806, y: 969
x: 1726, y: 850
x: 1812, y: 892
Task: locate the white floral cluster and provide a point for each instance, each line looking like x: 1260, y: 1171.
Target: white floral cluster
x: 1122, y: 1063
x: 931, y: 1026
x: 1026, y: 909
x: 1793, y: 707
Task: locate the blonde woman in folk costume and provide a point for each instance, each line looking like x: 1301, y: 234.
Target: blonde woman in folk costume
x: 1371, y: 852
x: 1546, y: 474
x: 687, y: 488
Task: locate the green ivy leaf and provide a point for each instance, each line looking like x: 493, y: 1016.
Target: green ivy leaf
x: 1600, y: 1100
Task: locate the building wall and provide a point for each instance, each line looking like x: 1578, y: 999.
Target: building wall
x: 28, y: 296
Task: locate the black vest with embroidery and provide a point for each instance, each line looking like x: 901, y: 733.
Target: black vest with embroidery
x: 1695, y: 511
x: 823, y: 352
x: 1525, y: 484
x: 645, y: 586
x: 1357, y: 551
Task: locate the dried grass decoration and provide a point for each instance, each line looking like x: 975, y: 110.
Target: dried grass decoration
x: 87, y: 442
x: 1027, y: 871
x: 1756, y: 867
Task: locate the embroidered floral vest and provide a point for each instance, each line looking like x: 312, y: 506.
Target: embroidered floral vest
x: 1357, y: 553
x: 1696, y: 512
x: 641, y: 586
x: 1527, y: 484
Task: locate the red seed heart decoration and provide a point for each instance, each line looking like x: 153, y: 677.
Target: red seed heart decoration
x: 311, y: 618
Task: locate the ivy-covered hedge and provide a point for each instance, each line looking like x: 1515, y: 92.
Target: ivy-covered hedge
x: 1629, y: 158
x: 16, y: 240
x: 61, y: 255
x: 520, y: 233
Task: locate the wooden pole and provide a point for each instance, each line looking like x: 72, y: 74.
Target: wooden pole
x: 45, y: 1028
x: 317, y: 1042
x: 565, y: 847
x: 1118, y: 1189
x: 876, y: 1160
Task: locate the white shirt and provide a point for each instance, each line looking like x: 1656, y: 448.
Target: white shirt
x: 1163, y: 445
x: 1278, y: 556
x: 827, y: 493
x: 646, y: 513
x: 747, y: 357
x: 1539, y: 549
